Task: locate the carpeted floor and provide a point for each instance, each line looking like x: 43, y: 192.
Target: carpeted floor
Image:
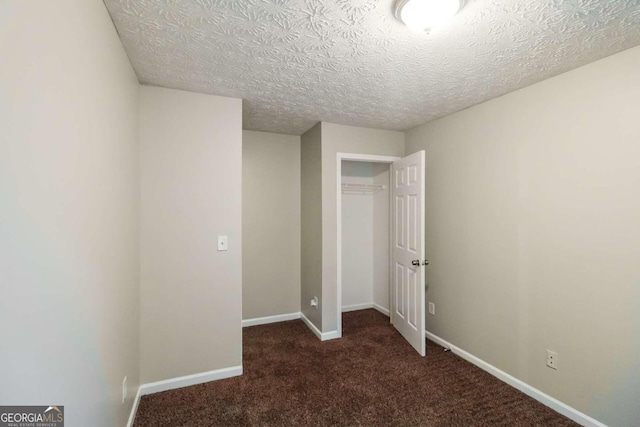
x: 370, y: 377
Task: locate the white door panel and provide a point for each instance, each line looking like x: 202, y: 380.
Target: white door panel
x: 408, y: 241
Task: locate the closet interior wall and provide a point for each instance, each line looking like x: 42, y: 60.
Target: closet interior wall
x: 365, y: 235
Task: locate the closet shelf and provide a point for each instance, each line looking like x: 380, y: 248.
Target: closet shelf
x: 361, y: 188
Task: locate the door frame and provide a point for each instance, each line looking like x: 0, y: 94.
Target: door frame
x: 352, y: 157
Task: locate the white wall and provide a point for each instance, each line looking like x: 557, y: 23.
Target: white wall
x: 68, y: 211
x: 311, y: 222
x: 381, y: 237
x: 344, y: 139
x: 270, y: 224
x: 533, y: 233
x: 357, y: 237
x: 191, y: 188
x: 365, y: 237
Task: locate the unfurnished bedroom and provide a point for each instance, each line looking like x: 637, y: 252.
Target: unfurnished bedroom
x: 319, y: 213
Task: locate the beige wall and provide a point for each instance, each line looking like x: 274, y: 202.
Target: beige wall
x: 191, y: 173
x: 311, y: 222
x: 344, y: 139
x: 533, y: 233
x: 68, y: 211
x: 270, y: 224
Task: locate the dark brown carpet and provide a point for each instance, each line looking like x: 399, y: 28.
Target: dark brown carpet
x: 370, y: 377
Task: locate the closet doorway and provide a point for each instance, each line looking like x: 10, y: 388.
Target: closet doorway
x: 364, y: 194
x: 380, y: 240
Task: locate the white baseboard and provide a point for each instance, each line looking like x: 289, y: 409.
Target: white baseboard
x: 545, y: 399
x: 179, y: 382
x: 322, y: 336
x: 134, y: 409
x: 332, y: 335
x: 311, y: 326
x: 270, y: 319
x: 187, y: 380
x: 381, y: 309
x: 355, y: 307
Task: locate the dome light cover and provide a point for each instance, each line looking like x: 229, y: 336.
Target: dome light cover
x: 424, y: 15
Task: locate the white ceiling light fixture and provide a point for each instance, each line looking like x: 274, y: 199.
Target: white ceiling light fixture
x: 424, y: 15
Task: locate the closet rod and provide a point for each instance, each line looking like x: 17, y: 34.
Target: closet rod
x: 361, y: 188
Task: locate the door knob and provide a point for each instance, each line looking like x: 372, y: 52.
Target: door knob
x: 415, y: 262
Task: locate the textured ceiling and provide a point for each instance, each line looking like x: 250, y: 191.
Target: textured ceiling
x: 296, y: 62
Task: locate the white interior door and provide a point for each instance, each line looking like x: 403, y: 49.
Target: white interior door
x: 407, y: 246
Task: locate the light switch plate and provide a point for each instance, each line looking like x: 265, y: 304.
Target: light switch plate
x: 223, y: 243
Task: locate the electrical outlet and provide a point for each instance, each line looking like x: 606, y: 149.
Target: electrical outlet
x: 432, y: 308
x: 124, y: 389
x: 314, y: 302
x: 552, y: 359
